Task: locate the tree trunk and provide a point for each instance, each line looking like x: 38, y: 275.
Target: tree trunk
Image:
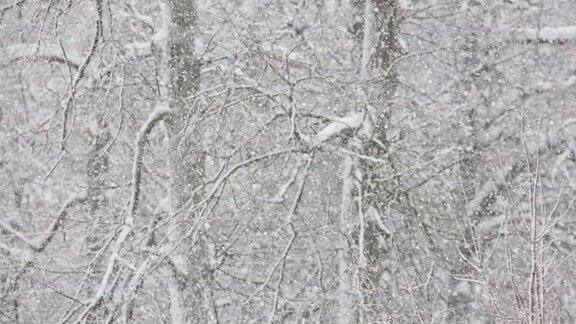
x: 378, y: 34
x: 181, y: 78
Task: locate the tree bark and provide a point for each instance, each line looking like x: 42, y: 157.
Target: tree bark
x: 380, y: 48
x: 186, y: 158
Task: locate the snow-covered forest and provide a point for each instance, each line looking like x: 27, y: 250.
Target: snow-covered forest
x: 287, y: 161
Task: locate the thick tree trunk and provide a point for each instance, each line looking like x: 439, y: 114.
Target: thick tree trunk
x: 378, y: 34
x: 385, y: 49
x: 186, y: 159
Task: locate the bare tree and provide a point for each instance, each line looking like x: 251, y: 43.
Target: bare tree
x: 350, y: 161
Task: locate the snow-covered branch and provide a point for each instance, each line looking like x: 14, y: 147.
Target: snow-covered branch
x: 156, y: 116
x: 74, y: 200
x: 17, y: 234
x: 555, y: 86
x: 80, y: 73
x: 50, y: 53
x: 17, y: 253
x: 99, y: 295
x: 39, y: 244
x: 351, y: 121
x: 548, y: 34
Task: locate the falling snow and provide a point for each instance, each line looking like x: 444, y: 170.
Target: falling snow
x: 328, y: 161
